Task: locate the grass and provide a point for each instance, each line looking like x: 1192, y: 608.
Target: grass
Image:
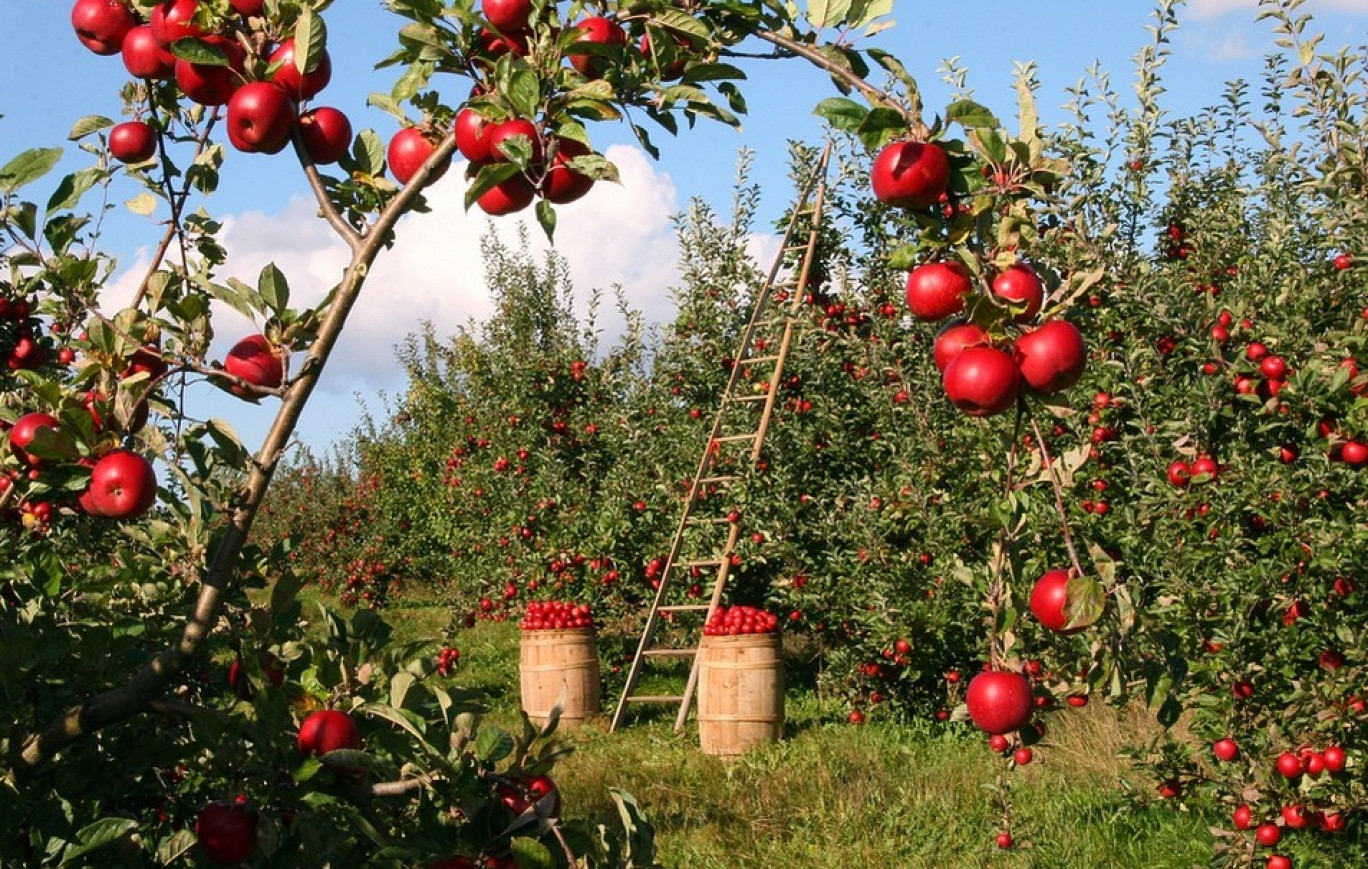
x: 835, y: 795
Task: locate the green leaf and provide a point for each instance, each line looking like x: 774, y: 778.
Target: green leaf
x: 493, y: 744
x: 144, y: 204
x: 87, y: 125
x: 531, y: 854
x: 274, y: 288
x: 311, y: 38
x: 970, y: 115
x: 100, y: 834
x: 199, y: 52
x: 842, y: 113
x: 72, y: 188
x: 28, y: 167
x: 1085, y: 602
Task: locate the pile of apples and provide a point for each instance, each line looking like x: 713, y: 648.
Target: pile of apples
x: 740, y: 619
x: 557, y: 615
x: 981, y: 374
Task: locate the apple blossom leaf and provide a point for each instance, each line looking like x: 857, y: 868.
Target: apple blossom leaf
x: 274, y: 288
x: 841, y: 113
x: 72, y: 188
x: 531, y: 854
x: 28, y: 167
x: 87, y: 125
x: 100, y: 834
x: 311, y: 38
x: 143, y: 205
x: 198, y: 52
x: 493, y: 744
x: 970, y: 115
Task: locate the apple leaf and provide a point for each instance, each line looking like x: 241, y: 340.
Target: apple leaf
x: 100, y: 834
x: 199, y: 52
x: 175, y: 846
x: 87, y: 125
x: 274, y: 288
x: 493, y: 744
x: 72, y: 188
x: 143, y: 205
x: 842, y: 113
x: 546, y: 216
x: 970, y: 115
x: 531, y: 854
x: 311, y: 38
x: 1086, y: 602
x: 28, y: 167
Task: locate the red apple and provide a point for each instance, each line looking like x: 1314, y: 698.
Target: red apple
x: 603, y: 37
x: 953, y: 339
x: 1020, y: 284
x: 132, y: 142
x: 123, y: 485
x: 1289, y: 765
x: 507, y: 15
x: 505, y: 131
x: 226, y: 833
x: 301, y: 84
x: 145, y: 57
x: 999, y: 701
x: 327, y: 730
x: 496, y: 45
x: 1052, y: 357
x: 472, y: 135
x: 24, y: 430
x: 910, y: 174
x: 1225, y: 749
x: 256, y: 360
x: 561, y: 184
x: 982, y: 381
x: 1343, y: 261
x: 407, y: 152
x: 173, y: 21
x: 509, y: 196
x: 937, y: 290
x: 260, y: 118
x: 530, y: 792
x: 679, y: 60
x: 453, y: 863
x: 101, y: 25
x: 1205, y: 469
x: 1049, y: 601
x: 247, y: 8
x: 1242, y: 817
x: 327, y: 134
x: 211, y: 84
x: 1179, y: 473
x: 1354, y: 454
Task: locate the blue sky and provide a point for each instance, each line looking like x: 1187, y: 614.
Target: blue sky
x: 620, y: 235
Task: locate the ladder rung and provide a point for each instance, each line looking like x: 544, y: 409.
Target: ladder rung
x: 705, y: 481
x: 711, y: 520
x: 702, y: 562
x: 755, y: 360
x: 684, y: 607
x: 655, y: 698
x: 670, y: 653
x: 759, y: 396
x: 729, y: 439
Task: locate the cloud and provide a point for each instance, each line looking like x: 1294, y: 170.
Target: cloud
x: 1206, y: 9
x: 619, y: 235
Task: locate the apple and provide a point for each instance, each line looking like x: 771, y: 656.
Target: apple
x: 982, y: 381
x: 132, y: 142
x: 495, y: 45
x: 508, y: 15
x: 453, y: 863
x: 1278, y: 861
x: 1354, y: 453
x: 1022, y: 756
x: 472, y: 135
x: 1179, y: 473
x: 530, y: 792
x: 256, y: 360
x: 1049, y: 601
x: 1003, y: 840
x: 123, y: 485
x: 1225, y: 749
x: 1273, y: 367
x: 299, y: 84
x: 1052, y: 357
x: 1289, y: 765
x: 327, y: 730
x: 937, y: 290
x: 173, y: 21
x: 241, y: 684
x: 509, y: 196
x: 1242, y: 817
x: 504, y: 131
x: 24, y: 430
x: 909, y: 174
x: 211, y: 84
x: 678, y: 62
x: 101, y: 25
x: 146, y: 360
x: 603, y: 36
x: 327, y: 134
x: 1343, y: 261
x: 1204, y: 469
x: 1020, y: 284
x: 226, y: 832
x: 1255, y: 351
x: 261, y: 115
x: 953, y: 339
x: 561, y: 184
x: 145, y: 57
x: 1334, y: 759
x: 247, y: 8
x: 999, y: 701
x: 1268, y: 835
x: 408, y: 150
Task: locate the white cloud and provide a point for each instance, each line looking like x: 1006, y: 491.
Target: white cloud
x: 1204, y: 9
x: 620, y: 234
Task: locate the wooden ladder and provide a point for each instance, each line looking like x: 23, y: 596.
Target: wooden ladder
x: 706, y: 537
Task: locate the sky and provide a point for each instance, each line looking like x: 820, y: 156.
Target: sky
x: 620, y: 235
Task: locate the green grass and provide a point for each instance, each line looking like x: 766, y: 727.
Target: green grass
x: 835, y: 795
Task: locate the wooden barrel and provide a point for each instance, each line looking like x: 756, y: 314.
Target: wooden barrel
x: 560, y: 667
x: 740, y: 692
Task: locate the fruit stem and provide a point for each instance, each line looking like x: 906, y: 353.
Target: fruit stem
x: 1055, y: 484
